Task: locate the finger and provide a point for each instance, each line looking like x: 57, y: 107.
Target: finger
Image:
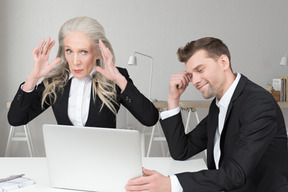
x: 50, y: 47
x: 106, y: 53
x: 142, y: 188
x: 41, y: 43
x: 138, y: 181
x: 99, y: 69
x: 185, y: 81
x: 182, y: 84
x: 148, y: 172
x: 36, y: 51
x: 137, y: 185
x: 176, y: 81
x: 54, y: 62
x: 188, y: 76
x: 180, y: 80
x: 46, y: 45
x: 181, y: 74
x: 102, y: 48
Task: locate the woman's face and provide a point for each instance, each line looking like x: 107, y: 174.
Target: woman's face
x: 80, y: 54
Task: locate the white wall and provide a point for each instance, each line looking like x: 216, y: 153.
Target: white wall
x: 255, y: 31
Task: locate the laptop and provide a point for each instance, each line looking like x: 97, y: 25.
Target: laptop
x: 91, y: 158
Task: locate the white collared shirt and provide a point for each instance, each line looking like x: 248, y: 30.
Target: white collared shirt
x: 224, y: 102
x: 79, y: 100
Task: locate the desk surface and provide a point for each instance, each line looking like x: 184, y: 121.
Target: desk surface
x: 200, y: 104
x: 184, y: 104
x: 283, y: 104
x: 36, y: 169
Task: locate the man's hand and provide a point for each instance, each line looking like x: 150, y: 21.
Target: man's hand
x: 152, y: 182
x: 178, y: 83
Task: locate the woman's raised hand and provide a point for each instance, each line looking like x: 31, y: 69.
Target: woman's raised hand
x: 41, y: 66
x: 110, y: 71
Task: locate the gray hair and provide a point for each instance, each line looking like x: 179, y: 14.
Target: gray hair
x: 90, y: 27
x: 59, y: 76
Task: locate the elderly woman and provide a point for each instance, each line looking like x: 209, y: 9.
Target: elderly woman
x: 84, y: 88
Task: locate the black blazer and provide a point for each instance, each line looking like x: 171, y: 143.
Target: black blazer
x: 254, y: 156
x: 27, y: 106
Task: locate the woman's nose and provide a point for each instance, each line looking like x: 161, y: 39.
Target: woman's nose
x: 76, y: 60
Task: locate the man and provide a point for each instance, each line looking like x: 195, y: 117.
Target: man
x: 244, y: 132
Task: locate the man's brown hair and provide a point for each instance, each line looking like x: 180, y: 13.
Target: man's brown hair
x: 213, y: 46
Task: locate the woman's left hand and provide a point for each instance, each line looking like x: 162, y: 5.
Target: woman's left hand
x: 110, y: 71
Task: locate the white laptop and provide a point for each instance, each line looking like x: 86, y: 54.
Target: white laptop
x: 92, y: 159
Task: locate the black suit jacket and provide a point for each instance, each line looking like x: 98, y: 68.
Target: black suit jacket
x: 253, y: 144
x: 27, y: 106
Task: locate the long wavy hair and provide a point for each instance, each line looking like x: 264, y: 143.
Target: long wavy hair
x: 55, y: 81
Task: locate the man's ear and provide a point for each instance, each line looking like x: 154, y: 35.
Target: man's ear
x: 224, y: 61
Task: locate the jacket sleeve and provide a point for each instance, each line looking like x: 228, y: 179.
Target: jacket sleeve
x: 183, y: 146
x: 139, y: 106
x: 26, y: 106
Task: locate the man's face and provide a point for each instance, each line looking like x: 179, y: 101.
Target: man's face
x: 207, y: 74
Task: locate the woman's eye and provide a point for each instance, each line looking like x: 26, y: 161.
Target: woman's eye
x: 68, y: 51
x: 84, y: 52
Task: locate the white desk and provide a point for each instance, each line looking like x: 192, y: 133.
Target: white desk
x: 36, y: 169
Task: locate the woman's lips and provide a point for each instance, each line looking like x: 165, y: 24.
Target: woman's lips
x: 78, y: 71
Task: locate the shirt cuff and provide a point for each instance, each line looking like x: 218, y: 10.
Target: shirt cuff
x: 175, y: 184
x: 169, y: 113
x: 27, y: 91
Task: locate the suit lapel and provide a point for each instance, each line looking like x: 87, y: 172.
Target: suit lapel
x: 239, y: 88
x: 93, y: 113
x: 61, y: 105
x: 212, y: 125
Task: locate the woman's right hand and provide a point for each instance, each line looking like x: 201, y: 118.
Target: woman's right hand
x: 41, y: 66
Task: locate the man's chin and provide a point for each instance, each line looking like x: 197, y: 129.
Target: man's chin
x: 205, y: 96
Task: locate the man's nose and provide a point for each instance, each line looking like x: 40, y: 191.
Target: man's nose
x: 195, y: 79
